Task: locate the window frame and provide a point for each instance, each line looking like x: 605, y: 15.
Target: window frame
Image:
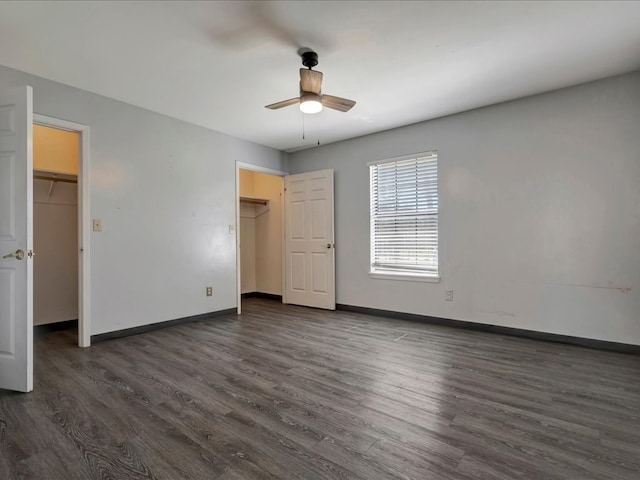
x: 404, y: 275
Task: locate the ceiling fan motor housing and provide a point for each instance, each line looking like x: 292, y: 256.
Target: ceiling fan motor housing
x: 309, y: 59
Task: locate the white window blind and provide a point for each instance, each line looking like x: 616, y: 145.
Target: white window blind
x: 404, y: 216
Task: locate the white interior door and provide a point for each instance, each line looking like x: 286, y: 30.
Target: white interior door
x: 16, y: 239
x: 309, y: 241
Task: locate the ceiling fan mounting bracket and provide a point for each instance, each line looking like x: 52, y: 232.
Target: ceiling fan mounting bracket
x: 309, y: 59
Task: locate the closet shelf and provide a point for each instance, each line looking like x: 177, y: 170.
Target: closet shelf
x: 255, y: 207
x: 254, y: 201
x: 54, y: 178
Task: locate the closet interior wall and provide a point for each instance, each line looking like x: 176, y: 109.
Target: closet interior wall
x: 261, y: 232
x: 55, y: 225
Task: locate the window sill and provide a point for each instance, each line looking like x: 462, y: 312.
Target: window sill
x: 404, y: 277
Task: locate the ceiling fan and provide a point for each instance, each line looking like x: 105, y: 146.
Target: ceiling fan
x: 311, y: 98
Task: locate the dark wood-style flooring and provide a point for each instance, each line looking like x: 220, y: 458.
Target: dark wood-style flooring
x: 294, y: 393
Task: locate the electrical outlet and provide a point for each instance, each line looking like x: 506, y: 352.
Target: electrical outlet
x: 209, y: 291
x: 97, y: 225
x: 448, y: 295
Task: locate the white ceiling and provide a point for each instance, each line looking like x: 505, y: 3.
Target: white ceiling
x: 217, y: 64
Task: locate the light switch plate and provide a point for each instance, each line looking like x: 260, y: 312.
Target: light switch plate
x: 232, y: 229
x: 97, y: 225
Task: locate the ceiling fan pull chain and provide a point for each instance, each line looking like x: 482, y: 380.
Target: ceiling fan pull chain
x: 303, y: 127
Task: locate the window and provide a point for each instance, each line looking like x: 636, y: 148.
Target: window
x: 404, y: 217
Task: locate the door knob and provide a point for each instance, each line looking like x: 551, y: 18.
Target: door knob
x: 18, y: 254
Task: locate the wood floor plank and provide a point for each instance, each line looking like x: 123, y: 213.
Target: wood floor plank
x: 52, y: 464
x: 287, y: 392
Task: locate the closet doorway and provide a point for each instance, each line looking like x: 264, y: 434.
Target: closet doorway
x: 260, y: 232
x: 60, y: 233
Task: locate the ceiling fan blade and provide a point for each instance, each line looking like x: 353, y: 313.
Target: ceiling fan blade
x: 337, y: 103
x: 282, y: 104
x: 268, y: 19
x: 310, y: 80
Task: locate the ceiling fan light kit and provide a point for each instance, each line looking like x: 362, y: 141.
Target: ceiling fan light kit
x: 310, y: 103
x: 311, y: 99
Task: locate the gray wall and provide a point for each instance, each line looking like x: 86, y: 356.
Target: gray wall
x: 539, y: 219
x: 165, y: 191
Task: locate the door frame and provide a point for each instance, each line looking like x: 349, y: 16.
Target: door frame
x: 256, y: 168
x: 84, y: 223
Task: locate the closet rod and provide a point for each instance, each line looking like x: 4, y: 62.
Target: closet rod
x: 54, y: 179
